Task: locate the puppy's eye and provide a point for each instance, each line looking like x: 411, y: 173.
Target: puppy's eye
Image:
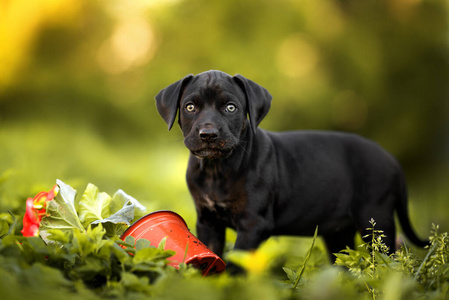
x: 230, y: 108
x: 190, y: 107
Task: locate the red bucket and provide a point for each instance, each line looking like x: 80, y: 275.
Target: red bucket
x: 160, y: 224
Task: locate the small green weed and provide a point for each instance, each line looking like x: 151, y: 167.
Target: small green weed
x: 375, y: 269
x: 292, y: 275
x: 433, y: 272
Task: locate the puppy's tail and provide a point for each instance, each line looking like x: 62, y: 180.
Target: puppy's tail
x: 402, y: 212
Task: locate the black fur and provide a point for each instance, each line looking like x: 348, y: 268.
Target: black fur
x: 263, y: 183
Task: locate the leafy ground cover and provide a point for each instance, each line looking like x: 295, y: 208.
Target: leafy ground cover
x: 79, y: 254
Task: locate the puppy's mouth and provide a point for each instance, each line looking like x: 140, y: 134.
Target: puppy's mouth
x: 212, y: 153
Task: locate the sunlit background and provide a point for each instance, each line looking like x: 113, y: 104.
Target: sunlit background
x: 78, y: 80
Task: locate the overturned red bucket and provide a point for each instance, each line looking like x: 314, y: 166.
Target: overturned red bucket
x: 168, y: 224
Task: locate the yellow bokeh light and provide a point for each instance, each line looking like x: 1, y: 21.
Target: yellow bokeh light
x: 130, y: 45
x: 20, y: 20
x: 297, y: 57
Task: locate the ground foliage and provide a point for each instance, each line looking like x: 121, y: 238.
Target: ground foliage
x: 90, y: 264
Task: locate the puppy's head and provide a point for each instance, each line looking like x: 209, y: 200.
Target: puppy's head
x: 213, y: 108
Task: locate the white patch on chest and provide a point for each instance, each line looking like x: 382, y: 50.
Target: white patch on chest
x: 212, y: 204
x: 209, y: 202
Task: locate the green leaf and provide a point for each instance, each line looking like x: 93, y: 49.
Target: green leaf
x: 142, y: 243
x: 292, y: 276
x: 58, y: 236
x: 135, y: 283
x: 4, y: 228
x: 114, y: 229
x: 123, y: 216
x: 301, y: 272
x: 120, y: 198
x: 151, y: 254
x: 114, y: 213
x: 120, y: 253
x: 96, y: 234
x: 94, y: 205
x: 67, y: 194
x: 118, y: 222
x: 130, y: 240
x: 162, y: 243
x: 61, y: 212
x: 39, y: 276
x: 92, y: 267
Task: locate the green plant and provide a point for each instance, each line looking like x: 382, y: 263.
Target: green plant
x: 82, y: 261
x: 374, y: 268
x: 294, y: 277
x: 433, y: 272
x: 370, y: 265
x: 89, y: 260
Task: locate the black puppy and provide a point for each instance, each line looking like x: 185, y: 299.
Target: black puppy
x: 262, y: 183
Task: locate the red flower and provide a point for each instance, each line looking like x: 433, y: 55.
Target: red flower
x: 35, y: 211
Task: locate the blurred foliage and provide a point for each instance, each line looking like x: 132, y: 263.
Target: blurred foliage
x: 89, y: 265
x: 77, y: 81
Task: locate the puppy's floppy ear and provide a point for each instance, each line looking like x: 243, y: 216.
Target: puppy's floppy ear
x: 167, y: 100
x: 258, y: 100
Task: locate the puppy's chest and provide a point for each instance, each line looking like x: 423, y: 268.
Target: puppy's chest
x: 218, y: 190
x: 223, y: 198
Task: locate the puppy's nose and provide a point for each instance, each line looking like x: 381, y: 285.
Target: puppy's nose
x: 208, y: 134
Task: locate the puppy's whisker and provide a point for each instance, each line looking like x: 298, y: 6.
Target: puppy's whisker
x: 243, y: 147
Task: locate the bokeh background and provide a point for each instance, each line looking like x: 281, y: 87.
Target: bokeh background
x: 78, y: 80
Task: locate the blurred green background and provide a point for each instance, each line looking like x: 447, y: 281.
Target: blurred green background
x: 78, y: 80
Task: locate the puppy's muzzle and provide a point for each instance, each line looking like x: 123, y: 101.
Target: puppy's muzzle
x: 212, y: 143
x: 208, y: 134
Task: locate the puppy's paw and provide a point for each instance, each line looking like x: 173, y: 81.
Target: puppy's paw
x: 234, y: 270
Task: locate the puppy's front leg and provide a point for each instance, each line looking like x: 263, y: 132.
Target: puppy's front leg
x: 252, y: 231
x: 212, y: 234
x: 250, y: 234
